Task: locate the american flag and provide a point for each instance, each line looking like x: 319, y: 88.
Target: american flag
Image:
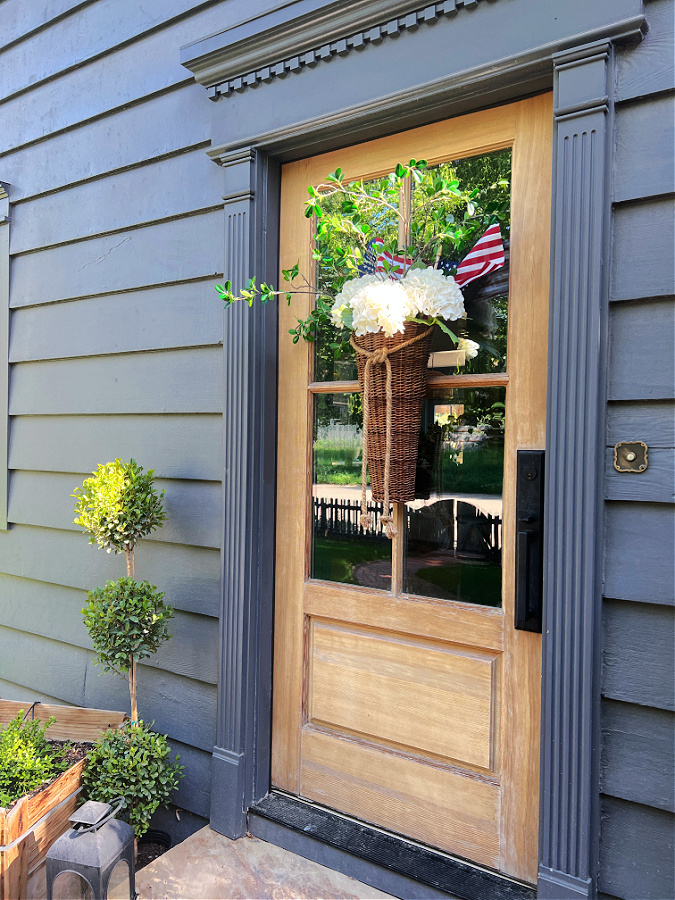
x: 486, y: 256
x: 373, y: 261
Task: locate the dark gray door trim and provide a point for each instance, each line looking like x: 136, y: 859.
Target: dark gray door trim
x: 574, y: 466
x: 577, y: 360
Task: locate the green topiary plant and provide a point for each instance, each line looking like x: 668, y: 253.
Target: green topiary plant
x: 119, y: 505
x: 132, y: 762
x: 127, y: 621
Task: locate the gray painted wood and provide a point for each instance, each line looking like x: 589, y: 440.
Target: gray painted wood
x: 641, y: 267
x: 182, y: 708
x: 179, y: 315
x: 9, y: 690
x: 653, y: 423
x: 181, y: 184
x: 184, y: 447
x: 638, y: 660
x: 114, y: 81
x: 648, y: 68
x: 655, y: 485
x: 77, y: 40
x: 180, y: 250
x: 165, y: 381
x: 643, y: 154
x: 111, y: 144
x: 636, y: 851
x: 642, y: 351
x: 644, y: 532
x: 56, y: 612
x: 572, y: 579
x: 4, y: 349
x: 193, y: 508
x: 194, y: 788
x: 20, y: 19
x: 638, y: 754
x: 23, y: 598
x: 190, y: 576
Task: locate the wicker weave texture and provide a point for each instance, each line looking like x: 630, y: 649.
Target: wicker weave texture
x: 409, y: 384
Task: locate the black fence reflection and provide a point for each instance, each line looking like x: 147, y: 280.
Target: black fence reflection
x: 456, y: 526
x: 340, y: 518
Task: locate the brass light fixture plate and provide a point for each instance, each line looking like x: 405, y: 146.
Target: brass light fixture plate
x: 630, y: 456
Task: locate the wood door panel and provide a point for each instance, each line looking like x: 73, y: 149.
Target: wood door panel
x: 437, y: 805
x: 429, y: 698
x: 441, y: 620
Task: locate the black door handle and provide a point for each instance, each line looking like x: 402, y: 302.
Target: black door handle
x: 529, y: 542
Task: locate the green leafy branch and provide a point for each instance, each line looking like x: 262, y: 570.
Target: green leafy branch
x: 444, y: 219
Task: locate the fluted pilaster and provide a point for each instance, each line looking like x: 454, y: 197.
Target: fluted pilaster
x: 249, y: 342
x: 573, y: 556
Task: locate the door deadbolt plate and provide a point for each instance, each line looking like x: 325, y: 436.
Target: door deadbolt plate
x: 630, y: 456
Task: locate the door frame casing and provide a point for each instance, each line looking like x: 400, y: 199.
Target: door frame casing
x: 579, y: 67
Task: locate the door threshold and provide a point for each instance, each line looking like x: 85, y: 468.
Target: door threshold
x: 376, y: 857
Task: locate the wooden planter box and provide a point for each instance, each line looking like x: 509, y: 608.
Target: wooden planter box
x: 29, y: 828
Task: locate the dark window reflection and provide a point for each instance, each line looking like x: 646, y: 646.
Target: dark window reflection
x: 454, y: 528
x: 341, y: 550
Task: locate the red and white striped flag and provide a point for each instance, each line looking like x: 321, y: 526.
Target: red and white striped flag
x: 486, y: 256
x: 398, y: 265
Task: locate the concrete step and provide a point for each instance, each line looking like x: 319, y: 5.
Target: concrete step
x: 208, y: 866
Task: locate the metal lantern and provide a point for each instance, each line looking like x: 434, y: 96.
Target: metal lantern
x: 94, y: 860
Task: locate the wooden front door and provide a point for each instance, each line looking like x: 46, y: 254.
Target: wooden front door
x: 403, y: 695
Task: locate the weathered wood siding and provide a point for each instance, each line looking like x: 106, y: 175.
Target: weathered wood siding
x: 115, y: 345
x: 637, y: 762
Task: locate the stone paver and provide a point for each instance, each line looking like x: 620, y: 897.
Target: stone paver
x: 208, y: 866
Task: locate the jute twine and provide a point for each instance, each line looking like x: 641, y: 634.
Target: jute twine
x: 379, y: 357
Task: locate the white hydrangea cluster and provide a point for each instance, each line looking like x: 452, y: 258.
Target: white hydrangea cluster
x: 469, y: 347
x: 375, y: 303
x: 434, y: 294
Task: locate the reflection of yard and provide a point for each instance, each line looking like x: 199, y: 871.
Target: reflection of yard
x: 458, y: 579
x: 441, y: 575
x: 480, y: 469
x: 336, y: 559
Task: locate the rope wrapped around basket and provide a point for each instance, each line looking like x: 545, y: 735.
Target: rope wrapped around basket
x: 369, y: 359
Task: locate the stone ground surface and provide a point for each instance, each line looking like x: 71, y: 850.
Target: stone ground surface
x: 208, y: 866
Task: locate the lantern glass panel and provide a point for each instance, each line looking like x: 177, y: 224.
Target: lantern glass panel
x: 119, y: 884
x: 71, y: 886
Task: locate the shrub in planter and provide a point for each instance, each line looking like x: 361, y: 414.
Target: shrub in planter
x: 27, y: 759
x: 132, y: 762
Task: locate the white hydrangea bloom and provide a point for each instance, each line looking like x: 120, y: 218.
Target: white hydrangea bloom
x: 434, y: 294
x: 469, y: 347
x: 343, y: 300
x: 379, y: 304
x: 381, y: 307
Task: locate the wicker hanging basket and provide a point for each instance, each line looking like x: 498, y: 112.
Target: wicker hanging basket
x: 408, y: 388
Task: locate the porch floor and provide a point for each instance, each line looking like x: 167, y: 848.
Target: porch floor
x: 208, y: 866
